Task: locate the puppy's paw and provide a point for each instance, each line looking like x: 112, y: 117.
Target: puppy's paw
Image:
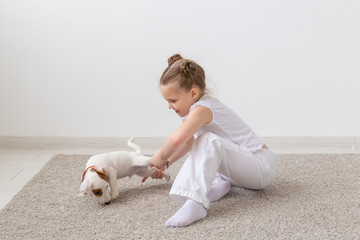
x: 114, y: 195
x: 167, y: 177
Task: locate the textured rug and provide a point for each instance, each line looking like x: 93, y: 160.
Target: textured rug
x: 312, y: 197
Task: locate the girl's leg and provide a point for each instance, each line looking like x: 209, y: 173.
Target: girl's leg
x: 211, y: 154
x: 252, y: 170
x: 198, y: 172
x: 194, y: 181
x: 192, y: 184
x: 190, y: 212
x: 219, y: 188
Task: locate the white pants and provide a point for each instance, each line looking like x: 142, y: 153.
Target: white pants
x: 213, y: 156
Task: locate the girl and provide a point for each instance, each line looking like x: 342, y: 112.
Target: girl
x: 223, y: 150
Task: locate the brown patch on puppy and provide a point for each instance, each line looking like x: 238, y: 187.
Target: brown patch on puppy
x: 97, y: 192
x: 102, y: 174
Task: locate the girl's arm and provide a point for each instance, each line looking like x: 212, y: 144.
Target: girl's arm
x: 196, y: 118
x: 176, y: 156
x: 182, y: 151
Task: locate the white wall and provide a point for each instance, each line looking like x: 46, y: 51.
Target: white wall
x: 91, y: 68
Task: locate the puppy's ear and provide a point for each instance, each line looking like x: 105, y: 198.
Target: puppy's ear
x: 101, y: 172
x: 99, y: 169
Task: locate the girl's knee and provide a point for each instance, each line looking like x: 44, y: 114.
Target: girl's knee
x: 207, y: 137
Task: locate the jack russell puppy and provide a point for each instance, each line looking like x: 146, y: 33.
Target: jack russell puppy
x: 104, y: 170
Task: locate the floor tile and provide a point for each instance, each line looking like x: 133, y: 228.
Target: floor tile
x: 18, y: 155
x: 44, y: 157
x: 8, y: 174
x: 11, y: 185
x: 28, y: 165
x: 26, y: 174
x: 5, y: 197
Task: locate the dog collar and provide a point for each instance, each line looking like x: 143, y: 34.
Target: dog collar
x: 85, y: 171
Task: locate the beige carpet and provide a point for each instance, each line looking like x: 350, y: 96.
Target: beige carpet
x: 312, y: 197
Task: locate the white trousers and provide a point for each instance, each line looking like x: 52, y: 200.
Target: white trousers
x: 211, y: 157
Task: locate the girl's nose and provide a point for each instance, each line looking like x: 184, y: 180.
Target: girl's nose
x: 169, y: 106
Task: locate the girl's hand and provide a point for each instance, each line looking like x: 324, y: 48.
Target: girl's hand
x: 155, y: 162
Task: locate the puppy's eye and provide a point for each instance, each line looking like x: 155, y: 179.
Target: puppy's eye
x: 97, y: 192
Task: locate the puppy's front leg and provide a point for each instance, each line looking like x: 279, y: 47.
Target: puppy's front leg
x: 114, y: 191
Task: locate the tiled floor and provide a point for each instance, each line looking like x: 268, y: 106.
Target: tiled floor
x: 22, y: 158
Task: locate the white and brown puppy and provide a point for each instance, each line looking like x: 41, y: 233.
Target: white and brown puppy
x: 102, y: 171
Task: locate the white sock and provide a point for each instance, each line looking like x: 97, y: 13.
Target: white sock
x: 219, y: 190
x: 190, y: 212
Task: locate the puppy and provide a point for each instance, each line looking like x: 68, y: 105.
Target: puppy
x: 103, y: 170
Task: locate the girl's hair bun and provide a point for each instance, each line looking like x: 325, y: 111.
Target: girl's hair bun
x: 174, y: 58
x: 184, y: 71
x: 187, y: 67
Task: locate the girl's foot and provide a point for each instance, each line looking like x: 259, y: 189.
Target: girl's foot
x: 218, y: 190
x: 190, y: 212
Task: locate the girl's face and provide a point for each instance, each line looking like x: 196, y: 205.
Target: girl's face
x: 178, y: 98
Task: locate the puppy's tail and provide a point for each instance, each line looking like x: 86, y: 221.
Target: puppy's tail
x: 133, y: 145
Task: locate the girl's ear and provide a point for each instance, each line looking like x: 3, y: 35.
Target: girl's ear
x: 195, y: 93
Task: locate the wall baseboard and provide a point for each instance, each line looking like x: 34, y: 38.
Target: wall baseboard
x: 279, y: 144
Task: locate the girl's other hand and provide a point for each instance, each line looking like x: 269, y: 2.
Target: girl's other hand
x: 156, y: 161
x: 158, y: 174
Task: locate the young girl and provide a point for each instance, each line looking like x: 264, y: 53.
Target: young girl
x: 223, y: 150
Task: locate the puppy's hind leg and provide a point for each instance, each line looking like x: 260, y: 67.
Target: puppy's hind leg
x: 166, y: 176
x: 150, y: 171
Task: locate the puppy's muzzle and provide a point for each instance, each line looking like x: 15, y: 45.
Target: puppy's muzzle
x: 107, y: 203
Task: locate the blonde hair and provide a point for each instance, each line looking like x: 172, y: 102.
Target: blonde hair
x: 184, y: 71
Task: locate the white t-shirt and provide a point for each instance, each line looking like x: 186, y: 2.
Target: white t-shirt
x: 227, y: 124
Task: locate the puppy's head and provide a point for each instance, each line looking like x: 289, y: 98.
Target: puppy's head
x: 96, y: 185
